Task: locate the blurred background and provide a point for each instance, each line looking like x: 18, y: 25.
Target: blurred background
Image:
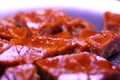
x: 90, y: 10
x: 94, y: 5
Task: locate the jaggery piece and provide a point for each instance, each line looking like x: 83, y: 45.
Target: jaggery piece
x: 38, y: 21
x: 12, y: 55
x: 8, y: 30
x: 107, y: 43
x: 81, y: 66
x: 9, y: 54
x: 104, y: 43
x: 50, y: 21
x: 20, y: 72
x: 111, y: 21
x: 49, y: 46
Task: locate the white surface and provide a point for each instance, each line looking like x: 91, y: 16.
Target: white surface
x: 95, y: 5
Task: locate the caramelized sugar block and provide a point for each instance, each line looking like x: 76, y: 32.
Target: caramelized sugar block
x: 104, y: 43
x: 9, y: 30
x: 111, y: 21
x: 9, y: 54
x: 81, y: 66
x: 20, y: 72
x: 48, y: 45
x: 50, y: 21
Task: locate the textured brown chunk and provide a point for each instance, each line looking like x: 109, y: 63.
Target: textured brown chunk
x: 21, y: 72
x: 111, y: 21
x: 81, y: 66
x: 50, y: 21
x: 9, y: 54
x: 104, y: 43
x: 8, y: 30
x: 48, y: 45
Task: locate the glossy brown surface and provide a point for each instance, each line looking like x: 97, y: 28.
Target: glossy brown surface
x: 49, y: 46
x: 9, y: 54
x: 8, y: 30
x: 21, y: 72
x: 112, y: 21
x: 53, y: 41
x: 81, y: 66
x: 105, y: 43
x: 50, y: 21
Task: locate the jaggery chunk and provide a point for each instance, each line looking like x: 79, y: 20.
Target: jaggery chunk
x: 81, y: 66
x: 20, y: 72
x: 104, y: 43
x: 8, y: 30
x: 9, y: 54
x: 111, y: 21
x: 48, y: 45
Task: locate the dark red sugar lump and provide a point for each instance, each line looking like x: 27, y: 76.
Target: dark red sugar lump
x: 47, y: 45
x: 104, y: 43
x: 8, y: 30
x: 81, y: 66
x: 112, y: 21
x: 20, y: 72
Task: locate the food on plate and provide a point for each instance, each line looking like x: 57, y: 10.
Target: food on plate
x: 51, y: 45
